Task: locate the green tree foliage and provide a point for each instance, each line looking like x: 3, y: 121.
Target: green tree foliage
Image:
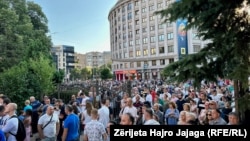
x: 23, y: 31
x: 25, y: 61
x: 105, y: 73
x: 86, y: 73
x: 28, y: 78
x: 226, y: 23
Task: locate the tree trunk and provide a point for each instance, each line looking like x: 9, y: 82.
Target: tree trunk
x: 236, y: 96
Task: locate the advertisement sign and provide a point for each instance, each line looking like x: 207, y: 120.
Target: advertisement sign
x: 182, y: 42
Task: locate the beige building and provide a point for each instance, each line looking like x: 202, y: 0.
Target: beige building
x: 141, y: 44
x: 97, y: 59
x: 80, y: 61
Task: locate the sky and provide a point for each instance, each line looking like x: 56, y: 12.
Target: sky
x: 80, y: 23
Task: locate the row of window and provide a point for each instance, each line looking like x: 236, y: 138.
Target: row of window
x: 139, y: 64
x: 170, y: 36
x: 144, y: 52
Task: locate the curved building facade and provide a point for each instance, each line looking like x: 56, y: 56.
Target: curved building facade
x: 141, y: 44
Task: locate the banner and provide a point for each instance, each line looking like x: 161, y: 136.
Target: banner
x: 182, y: 42
x: 181, y: 132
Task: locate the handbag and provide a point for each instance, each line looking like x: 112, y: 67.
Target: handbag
x: 48, y: 122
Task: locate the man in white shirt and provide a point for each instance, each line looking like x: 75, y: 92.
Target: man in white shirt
x: 48, y: 125
x: 130, y: 108
x: 103, y: 113
x: 149, y: 97
x: 84, y: 99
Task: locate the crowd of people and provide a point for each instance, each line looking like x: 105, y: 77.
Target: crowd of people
x: 149, y: 103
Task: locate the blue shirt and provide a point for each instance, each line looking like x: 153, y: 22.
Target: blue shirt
x: 27, y: 107
x: 2, y: 137
x: 72, y: 124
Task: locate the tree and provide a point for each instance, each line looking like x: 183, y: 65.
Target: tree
x: 226, y: 23
x: 105, y: 73
x: 58, y: 79
x: 85, y: 73
x: 28, y: 78
x: 23, y: 31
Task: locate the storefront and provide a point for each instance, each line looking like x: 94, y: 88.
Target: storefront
x: 125, y: 74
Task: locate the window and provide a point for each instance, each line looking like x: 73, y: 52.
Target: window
x: 161, y: 50
x: 121, y: 66
x: 131, y: 54
x: 151, y: 8
x: 124, y: 36
x: 144, y: 29
x: 143, y: 10
x: 197, y: 48
x: 123, y: 18
x: 129, y: 25
x: 145, y: 52
x: 169, y: 24
x: 151, y: 18
x: 137, y: 22
x: 129, y: 6
x: 136, y: 3
x: 152, y: 39
x: 137, y: 42
x: 162, y: 62
x: 120, y: 45
x: 137, y: 31
x: 138, y: 64
x: 144, y: 20
x: 152, y: 28
x: 138, y: 53
x: 171, y: 60
x: 160, y: 5
x: 129, y: 15
x: 170, y: 36
x: 153, y: 62
x: 160, y: 26
x: 131, y: 65
x: 161, y: 37
x: 170, y: 48
x: 152, y: 51
x: 124, y: 44
x: 137, y: 12
x: 145, y: 40
x: 123, y: 9
x: 124, y: 27
x: 130, y: 35
x: 126, y: 65
x: 130, y: 43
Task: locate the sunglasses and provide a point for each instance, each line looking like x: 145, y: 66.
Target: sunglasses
x: 209, y: 114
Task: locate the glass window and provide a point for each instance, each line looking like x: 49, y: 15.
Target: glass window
x: 161, y: 50
x: 145, y: 52
x: 161, y: 37
x: 170, y: 48
x: 152, y: 51
x: 170, y: 36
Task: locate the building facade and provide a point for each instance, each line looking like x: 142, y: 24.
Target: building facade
x: 97, y: 59
x: 63, y: 56
x: 80, y: 61
x: 142, y: 44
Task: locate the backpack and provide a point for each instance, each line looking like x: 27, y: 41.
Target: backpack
x: 21, y: 132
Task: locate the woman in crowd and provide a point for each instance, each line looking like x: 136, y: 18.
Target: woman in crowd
x: 172, y: 114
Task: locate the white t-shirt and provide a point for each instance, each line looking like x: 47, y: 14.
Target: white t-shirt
x: 84, y: 103
x: 87, y: 118
x: 11, y: 126
x: 50, y: 129
x: 103, y: 115
x: 3, y: 121
x: 132, y: 110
